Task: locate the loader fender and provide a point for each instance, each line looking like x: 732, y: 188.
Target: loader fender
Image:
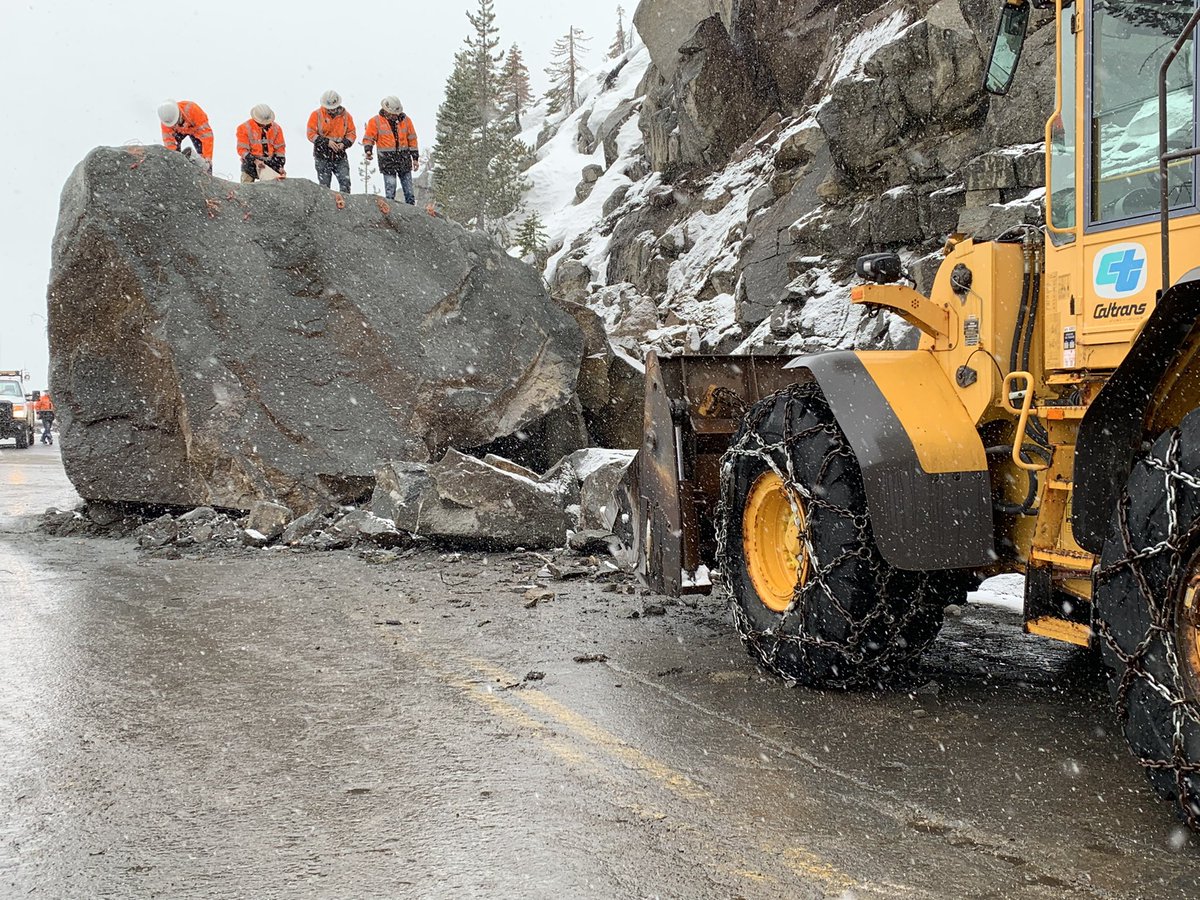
x: 923, y: 463
x: 1117, y: 421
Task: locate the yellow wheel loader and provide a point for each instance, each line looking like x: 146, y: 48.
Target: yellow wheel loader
x: 1048, y: 423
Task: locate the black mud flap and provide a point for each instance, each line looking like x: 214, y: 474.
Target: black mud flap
x: 922, y: 521
x: 1114, y: 426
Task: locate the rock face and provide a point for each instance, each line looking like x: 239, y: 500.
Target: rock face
x: 219, y: 344
x: 780, y: 141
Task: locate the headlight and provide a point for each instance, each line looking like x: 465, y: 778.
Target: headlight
x: 18, y: 409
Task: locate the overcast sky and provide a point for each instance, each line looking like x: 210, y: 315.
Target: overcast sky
x: 76, y: 74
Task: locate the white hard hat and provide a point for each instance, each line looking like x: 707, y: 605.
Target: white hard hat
x: 168, y: 112
x: 331, y: 99
x: 391, y: 104
x: 262, y: 114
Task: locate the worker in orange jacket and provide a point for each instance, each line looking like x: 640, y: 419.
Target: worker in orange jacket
x: 260, y: 144
x: 185, y: 119
x: 331, y: 130
x: 393, y: 135
x: 44, y: 407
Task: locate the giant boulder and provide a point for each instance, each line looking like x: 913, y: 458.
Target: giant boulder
x: 219, y: 344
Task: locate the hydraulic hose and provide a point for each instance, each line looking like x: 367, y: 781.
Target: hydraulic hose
x: 1019, y: 330
x: 1026, y: 508
x: 1035, y: 298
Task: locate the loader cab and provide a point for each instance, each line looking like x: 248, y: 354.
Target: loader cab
x: 1103, y: 255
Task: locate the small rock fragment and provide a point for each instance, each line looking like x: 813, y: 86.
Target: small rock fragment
x: 268, y: 519
x: 534, y: 596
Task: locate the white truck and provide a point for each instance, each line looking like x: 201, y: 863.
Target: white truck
x: 16, y: 409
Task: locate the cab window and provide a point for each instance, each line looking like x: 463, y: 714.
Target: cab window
x: 1062, y: 134
x: 10, y: 389
x: 1130, y: 39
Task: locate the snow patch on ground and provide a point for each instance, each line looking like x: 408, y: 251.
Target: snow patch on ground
x: 1004, y: 591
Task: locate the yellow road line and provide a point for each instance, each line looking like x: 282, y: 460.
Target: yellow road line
x: 800, y: 861
x: 586, y: 728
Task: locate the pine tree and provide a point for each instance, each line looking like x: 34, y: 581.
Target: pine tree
x: 459, y: 134
x: 515, y: 93
x: 485, y: 58
x: 366, y: 171
x: 621, y: 41
x: 478, y: 163
x: 531, y: 236
x: 566, y: 65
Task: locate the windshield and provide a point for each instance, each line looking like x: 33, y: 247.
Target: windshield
x: 1130, y: 39
x: 11, y: 389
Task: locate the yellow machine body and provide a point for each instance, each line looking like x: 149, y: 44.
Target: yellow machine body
x: 1091, y: 281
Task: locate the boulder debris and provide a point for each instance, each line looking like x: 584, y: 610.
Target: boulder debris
x: 470, y: 502
x: 219, y: 344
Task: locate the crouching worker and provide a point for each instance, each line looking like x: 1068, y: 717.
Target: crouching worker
x: 260, y: 144
x: 392, y: 134
x: 185, y: 119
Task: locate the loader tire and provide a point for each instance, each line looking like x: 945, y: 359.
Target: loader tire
x: 1147, y: 614
x: 813, y: 599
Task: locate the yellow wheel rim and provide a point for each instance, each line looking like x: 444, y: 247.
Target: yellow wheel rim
x: 772, y: 523
x: 1187, y: 635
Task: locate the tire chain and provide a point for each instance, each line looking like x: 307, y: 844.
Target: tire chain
x: 1163, y: 612
x: 765, y: 645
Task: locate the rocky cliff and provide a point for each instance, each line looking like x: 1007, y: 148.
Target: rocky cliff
x: 765, y: 145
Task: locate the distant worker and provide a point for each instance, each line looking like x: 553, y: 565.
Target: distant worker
x: 185, y: 119
x: 260, y: 144
x: 392, y: 133
x: 44, y: 407
x: 331, y: 130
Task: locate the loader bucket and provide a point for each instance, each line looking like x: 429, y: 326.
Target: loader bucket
x: 693, y: 407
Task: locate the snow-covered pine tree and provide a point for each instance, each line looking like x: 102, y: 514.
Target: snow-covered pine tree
x: 621, y: 40
x: 566, y: 65
x: 515, y: 93
x: 531, y: 236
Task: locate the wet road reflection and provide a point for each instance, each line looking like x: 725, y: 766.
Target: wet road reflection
x: 268, y: 724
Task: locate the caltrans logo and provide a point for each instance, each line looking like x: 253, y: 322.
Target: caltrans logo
x: 1120, y: 271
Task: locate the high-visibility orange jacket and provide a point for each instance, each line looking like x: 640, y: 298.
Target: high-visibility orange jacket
x: 390, y: 134
x: 396, y: 141
x: 262, y: 142
x: 193, y: 124
x: 323, y: 128
x: 44, y: 404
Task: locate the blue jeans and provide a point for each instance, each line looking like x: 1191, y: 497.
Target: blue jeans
x: 327, y: 168
x: 389, y: 186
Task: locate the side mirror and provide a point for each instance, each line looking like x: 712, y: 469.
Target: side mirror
x: 881, y: 268
x: 35, y: 396
x: 1006, y: 49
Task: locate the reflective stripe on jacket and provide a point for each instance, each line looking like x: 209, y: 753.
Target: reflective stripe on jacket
x: 333, y: 128
x: 386, y: 134
x: 264, y: 142
x: 193, y: 123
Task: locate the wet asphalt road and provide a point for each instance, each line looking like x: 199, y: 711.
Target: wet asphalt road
x: 266, y: 724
